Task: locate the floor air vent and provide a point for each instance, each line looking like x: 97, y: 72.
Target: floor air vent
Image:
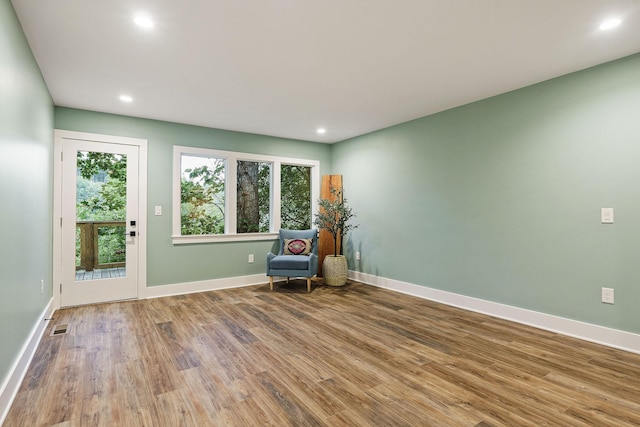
x: 59, y: 330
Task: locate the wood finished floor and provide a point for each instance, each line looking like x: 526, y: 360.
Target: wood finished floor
x: 352, y: 356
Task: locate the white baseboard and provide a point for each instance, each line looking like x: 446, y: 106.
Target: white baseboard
x: 203, y: 286
x: 586, y: 331
x: 10, y: 387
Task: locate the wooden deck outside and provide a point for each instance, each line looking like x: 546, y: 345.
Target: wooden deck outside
x: 103, y: 273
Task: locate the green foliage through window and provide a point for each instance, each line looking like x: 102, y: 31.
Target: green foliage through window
x: 202, y: 195
x: 295, y: 191
x: 224, y: 193
x: 101, y: 195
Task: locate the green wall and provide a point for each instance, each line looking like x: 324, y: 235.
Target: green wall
x: 500, y: 199
x: 26, y: 146
x: 166, y: 263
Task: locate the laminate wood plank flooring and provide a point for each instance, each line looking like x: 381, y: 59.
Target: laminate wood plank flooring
x: 351, y: 356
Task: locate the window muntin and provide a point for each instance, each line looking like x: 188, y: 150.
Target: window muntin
x: 222, y: 185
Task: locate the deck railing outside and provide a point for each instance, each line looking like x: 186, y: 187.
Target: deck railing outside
x: 88, y: 246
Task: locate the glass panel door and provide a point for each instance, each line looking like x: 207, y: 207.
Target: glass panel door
x: 99, y: 199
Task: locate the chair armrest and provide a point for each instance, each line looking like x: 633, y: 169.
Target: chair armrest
x: 270, y: 256
x: 313, y: 263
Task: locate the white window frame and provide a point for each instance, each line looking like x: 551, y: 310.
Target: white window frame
x: 230, y: 190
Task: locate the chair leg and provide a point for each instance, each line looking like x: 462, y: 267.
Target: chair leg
x: 308, y: 284
x: 271, y: 282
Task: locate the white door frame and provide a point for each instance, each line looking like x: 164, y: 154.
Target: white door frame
x: 141, y: 227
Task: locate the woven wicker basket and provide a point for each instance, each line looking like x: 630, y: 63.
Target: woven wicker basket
x: 334, y: 270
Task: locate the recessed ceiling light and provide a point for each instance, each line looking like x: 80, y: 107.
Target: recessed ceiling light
x: 321, y: 131
x: 143, y: 21
x: 610, y: 23
x: 126, y: 98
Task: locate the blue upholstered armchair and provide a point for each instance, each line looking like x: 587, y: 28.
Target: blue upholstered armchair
x: 297, y: 256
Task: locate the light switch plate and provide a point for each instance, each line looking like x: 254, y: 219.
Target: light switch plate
x: 606, y: 215
x: 158, y: 210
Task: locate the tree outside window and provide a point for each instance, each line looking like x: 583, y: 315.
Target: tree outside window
x: 225, y: 195
x: 202, y: 195
x: 295, y: 196
x: 253, y: 198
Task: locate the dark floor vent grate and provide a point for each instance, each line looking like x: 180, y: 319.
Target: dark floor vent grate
x: 59, y: 330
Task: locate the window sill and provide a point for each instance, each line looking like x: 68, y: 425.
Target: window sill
x: 244, y: 237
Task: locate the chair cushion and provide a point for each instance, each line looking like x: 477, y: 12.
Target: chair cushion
x: 297, y: 246
x: 289, y: 262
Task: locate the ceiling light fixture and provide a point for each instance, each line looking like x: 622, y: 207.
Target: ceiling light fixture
x: 610, y: 23
x: 321, y: 131
x: 126, y: 98
x: 143, y: 21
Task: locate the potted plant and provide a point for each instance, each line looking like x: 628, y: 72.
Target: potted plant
x: 334, y: 216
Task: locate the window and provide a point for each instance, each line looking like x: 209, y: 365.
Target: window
x: 202, y: 186
x: 295, y: 197
x: 225, y: 196
x: 253, y: 199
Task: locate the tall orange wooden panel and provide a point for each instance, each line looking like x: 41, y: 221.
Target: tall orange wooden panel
x: 325, y: 243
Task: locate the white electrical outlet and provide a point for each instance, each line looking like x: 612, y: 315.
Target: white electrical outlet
x: 358, y: 256
x: 251, y: 259
x: 41, y: 286
x: 607, y: 295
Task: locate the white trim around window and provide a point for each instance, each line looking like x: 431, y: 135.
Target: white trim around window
x: 232, y: 158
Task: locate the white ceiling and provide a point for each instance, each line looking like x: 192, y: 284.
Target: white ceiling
x: 287, y: 67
